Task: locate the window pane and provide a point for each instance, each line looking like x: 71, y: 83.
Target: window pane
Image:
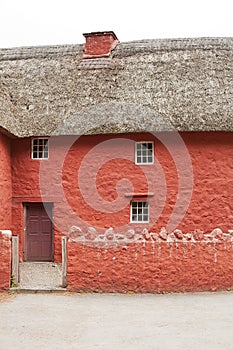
x: 149, y: 154
x: 140, y: 217
x: 149, y: 146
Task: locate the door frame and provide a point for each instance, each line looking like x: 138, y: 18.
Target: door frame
x: 25, y: 204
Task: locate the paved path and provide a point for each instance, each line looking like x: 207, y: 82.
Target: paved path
x: 40, y: 275
x: 117, y: 322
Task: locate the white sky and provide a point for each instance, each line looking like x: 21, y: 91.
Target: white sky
x: 51, y: 22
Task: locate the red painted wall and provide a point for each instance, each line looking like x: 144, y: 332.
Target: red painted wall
x: 5, y: 183
x: 211, y: 201
x: 5, y: 261
x: 151, y: 267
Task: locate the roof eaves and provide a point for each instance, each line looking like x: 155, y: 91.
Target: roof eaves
x: 7, y: 133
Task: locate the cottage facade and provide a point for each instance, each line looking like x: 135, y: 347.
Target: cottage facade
x: 115, y: 144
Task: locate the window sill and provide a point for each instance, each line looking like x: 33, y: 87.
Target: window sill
x: 139, y: 195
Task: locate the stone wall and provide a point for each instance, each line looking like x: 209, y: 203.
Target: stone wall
x: 156, y: 262
x: 5, y: 259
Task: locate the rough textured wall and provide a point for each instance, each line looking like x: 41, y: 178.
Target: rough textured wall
x: 5, y: 183
x: 211, y: 198
x: 151, y: 267
x: 5, y: 260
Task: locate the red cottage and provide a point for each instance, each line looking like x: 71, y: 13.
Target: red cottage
x: 126, y: 151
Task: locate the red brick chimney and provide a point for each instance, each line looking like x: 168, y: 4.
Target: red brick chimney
x: 99, y: 44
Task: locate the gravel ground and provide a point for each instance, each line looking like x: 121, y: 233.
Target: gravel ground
x: 4, y: 297
x: 114, y: 321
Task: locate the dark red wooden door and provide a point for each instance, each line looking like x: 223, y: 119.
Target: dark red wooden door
x: 39, y: 232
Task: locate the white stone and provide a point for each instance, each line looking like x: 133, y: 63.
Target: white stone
x: 216, y: 231
x: 6, y: 232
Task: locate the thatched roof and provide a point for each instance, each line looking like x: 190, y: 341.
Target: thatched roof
x: 150, y: 85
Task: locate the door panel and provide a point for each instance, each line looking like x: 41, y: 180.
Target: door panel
x: 39, y: 232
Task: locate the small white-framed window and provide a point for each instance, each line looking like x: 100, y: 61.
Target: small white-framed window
x: 144, y: 152
x: 139, y: 211
x: 40, y: 148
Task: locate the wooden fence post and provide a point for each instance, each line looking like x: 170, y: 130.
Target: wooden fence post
x: 64, y: 262
x: 15, y: 259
